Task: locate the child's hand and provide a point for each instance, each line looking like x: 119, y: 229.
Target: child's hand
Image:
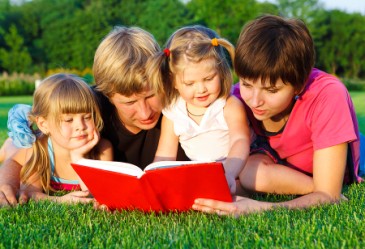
x: 231, y: 180
x: 80, y: 152
x: 76, y: 197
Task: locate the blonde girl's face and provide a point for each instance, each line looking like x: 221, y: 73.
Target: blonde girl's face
x: 74, y: 130
x: 199, y: 84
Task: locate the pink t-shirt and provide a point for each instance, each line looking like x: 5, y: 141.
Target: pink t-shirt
x: 322, y: 116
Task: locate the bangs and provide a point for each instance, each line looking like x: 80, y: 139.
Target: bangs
x: 260, y: 71
x: 133, y: 83
x: 69, y: 97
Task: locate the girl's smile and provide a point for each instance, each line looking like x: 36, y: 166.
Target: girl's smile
x: 199, y: 83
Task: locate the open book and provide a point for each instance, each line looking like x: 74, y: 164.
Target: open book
x: 162, y: 186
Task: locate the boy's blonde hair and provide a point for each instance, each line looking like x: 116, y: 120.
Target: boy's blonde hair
x: 120, y: 60
x: 58, y: 94
x: 192, y: 43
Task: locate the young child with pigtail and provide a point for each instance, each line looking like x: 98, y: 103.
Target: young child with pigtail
x: 61, y: 127
x: 195, y: 78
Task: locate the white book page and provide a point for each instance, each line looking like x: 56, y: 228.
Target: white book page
x: 170, y: 164
x: 119, y: 167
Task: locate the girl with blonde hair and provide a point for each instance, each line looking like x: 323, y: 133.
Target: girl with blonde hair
x: 61, y: 127
x: 194, y: 75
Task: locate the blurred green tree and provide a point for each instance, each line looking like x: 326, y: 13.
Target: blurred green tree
x: 14, y: 58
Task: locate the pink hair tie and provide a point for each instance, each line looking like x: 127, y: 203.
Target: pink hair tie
x: 166, y: 52
x: 215, y: 42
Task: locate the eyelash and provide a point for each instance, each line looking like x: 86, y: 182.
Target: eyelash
x: 272, y: 90
x: 130, y: 103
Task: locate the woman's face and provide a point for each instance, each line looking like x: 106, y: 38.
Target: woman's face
x: 139, y: 111
x: 265, y: 101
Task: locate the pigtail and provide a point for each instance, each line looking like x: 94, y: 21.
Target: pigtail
x: 223, y: 47
x: 25, y: 135
x: 39, y: 165
x: 228, y: 46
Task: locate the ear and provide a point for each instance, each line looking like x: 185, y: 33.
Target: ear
x: 298, y: 92
x: 42, y: 124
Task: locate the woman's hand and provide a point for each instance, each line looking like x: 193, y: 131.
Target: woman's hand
x: 102, y: 207
x: 239, y: 206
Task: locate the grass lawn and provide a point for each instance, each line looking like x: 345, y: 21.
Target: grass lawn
x: 50, y: 225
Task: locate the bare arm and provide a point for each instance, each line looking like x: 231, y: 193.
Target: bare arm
x: 34, y: 190
x: 106, y: 154
x: 104, y: 147
x: 239, y: 136
x: 261, y: 174
x: 8, y: 149
x: 9, y: 182
x: 168, y: 143
x: 328, y: 173
x: 10, y: 178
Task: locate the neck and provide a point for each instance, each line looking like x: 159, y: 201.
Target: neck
x: 193, y: 114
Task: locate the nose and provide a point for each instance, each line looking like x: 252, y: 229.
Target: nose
x: 144, y: 109
x: 200, y: 87
x: 80, y: 124
x: 256, y: 98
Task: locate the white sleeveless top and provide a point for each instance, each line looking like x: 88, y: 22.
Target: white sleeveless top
x: 208, y: 141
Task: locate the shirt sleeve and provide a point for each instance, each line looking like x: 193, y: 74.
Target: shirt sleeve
x: 332, y: 121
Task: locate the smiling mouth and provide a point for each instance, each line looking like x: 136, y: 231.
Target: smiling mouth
x: 81, y: 136
x: 202, y: 98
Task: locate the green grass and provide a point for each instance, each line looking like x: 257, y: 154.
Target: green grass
x: 50, y: 225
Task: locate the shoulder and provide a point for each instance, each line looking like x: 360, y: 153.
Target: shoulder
x: 22, y: 155
x: 319, y: 81
x: 234, y: 109
x: 233, y: 104
x: 176, y: 109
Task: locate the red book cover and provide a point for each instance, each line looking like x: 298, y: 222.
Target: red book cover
x: 162, y: 186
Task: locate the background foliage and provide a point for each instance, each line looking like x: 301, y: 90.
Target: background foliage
x: 43, y: 35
